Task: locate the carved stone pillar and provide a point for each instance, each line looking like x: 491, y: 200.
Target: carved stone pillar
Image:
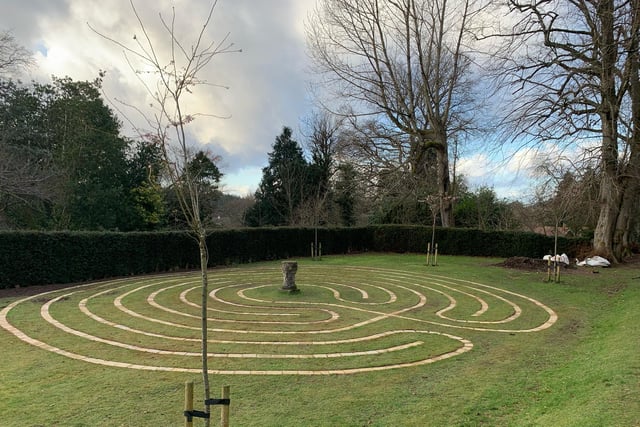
x: 289, y: 269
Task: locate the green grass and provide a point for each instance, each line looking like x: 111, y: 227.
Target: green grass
x: 582, y: 371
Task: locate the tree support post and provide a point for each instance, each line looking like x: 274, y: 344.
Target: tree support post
x: 549, y: 270
x: 224, y: 416
x: 190, y: 413
x: 435, y: 255
x: 188, y: 403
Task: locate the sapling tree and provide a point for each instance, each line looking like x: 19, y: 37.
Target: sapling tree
x: 556, y: 195
x: 176, y: 70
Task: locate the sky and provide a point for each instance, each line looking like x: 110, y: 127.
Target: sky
x: 267, y: 84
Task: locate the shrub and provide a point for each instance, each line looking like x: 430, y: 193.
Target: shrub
x: 33, y: 258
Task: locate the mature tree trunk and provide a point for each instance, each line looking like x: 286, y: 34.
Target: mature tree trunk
x: 604, y: 234
x: 610, y: 192
x: 585, y: 83
x: 630, y: 208
x: 619, y: 186
x: 626, y: 219
x: 446, y: 206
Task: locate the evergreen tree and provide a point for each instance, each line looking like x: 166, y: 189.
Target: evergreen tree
x: 64, y: 165
x: 87, y: 147
x: 149, y: 210
x: 283, y: 186
x: 345, y: 194
x: 205, y: 174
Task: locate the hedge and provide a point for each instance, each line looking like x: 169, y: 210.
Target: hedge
x: 36, y: 258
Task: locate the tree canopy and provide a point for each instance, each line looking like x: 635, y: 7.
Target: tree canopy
x: 283, y: 185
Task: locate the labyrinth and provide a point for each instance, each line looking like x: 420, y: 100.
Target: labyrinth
x: 345, y: 320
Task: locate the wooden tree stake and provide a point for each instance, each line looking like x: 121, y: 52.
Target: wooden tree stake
x: 224, y: 416
x: 188, y: 402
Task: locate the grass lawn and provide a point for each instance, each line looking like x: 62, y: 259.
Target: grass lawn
x: 371, y: 340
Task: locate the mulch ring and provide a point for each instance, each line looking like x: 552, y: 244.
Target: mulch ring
x: 529, y: 264
x: 538, y: 264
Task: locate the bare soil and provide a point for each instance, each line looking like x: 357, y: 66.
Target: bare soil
x: 524, y: 263
x: 537, y: 264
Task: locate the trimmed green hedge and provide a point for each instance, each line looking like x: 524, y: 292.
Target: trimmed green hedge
x: 463, y: 241
x: 33, y: 258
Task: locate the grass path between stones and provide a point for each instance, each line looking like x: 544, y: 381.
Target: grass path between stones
x: 369, y: 340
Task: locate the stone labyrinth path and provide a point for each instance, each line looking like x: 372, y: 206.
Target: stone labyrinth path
x: 345, y: 320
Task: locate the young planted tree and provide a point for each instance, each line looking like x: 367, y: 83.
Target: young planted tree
x: 555, y: 200
x: 177, y: 73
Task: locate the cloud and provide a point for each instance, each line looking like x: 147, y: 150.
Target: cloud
x: 515, y: 173
x: 267, y: 81
x: 510, y: 177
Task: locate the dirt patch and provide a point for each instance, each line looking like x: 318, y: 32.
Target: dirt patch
x: 536, y: 264
x: 524, y: 263
x: 614, y: 289
x: 27, y: 291
x: 530, y: 264
x: 632, y: 261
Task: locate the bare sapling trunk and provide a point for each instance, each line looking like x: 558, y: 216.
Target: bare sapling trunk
x: 177, y: 73
x: 204, y: 261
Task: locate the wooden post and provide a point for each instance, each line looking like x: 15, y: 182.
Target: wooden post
x: 549, y: 269
x: 428, y: 252
x: 312, y: 251
x: 188, y: 402
x: 320, y: 249
x: 224, y: 416
x: 435, y: 256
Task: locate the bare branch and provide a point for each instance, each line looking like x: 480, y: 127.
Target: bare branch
x: 402, y: 64
x: 176, y: 76
x: 13, y: 57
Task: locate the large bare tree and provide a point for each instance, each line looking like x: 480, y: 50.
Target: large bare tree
x: 401, y: 68
x: 27, y: 177
x: 323, y: 130
x: 14, y: 57
x: 574, y: 66
x: 26, y: 174
x: 177, y: 68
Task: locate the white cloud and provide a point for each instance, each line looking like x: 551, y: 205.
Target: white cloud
x: 243, y: 182
x: 509, y: 177
x: 514, y: 174
x: 267, y: 81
